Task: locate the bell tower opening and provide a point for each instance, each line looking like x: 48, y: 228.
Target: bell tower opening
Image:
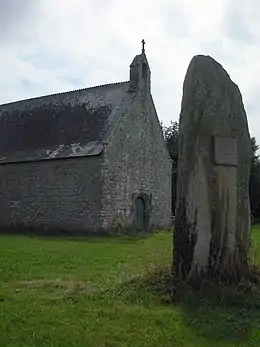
x: 144, y: 71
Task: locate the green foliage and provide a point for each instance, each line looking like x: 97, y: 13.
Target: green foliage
x: 171, y: 135
x: 254, y: 184
x: 254, y: 148
x: 113, y: 292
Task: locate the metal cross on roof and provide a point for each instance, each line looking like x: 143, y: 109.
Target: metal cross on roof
x: 143, y: 43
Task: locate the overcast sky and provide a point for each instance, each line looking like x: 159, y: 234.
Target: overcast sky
x: 50, y: 46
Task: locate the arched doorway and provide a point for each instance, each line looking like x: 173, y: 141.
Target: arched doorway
x: 140, y: 213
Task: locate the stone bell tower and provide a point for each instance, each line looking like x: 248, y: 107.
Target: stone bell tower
x: 140, y: 74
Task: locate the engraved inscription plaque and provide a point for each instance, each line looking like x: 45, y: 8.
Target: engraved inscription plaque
x: 225, y: 151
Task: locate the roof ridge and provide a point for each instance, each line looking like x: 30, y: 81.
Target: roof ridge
x: 61, y: 93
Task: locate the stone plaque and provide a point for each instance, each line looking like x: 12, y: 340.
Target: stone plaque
x: 225, y: 151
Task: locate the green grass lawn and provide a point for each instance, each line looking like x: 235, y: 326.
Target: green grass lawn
x: 63, y: 292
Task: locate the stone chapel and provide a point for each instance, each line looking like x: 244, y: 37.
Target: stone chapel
x: 91, y: 160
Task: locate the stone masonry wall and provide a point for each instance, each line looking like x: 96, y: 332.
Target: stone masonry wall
x: 137, y: 162
x: 53, y: 193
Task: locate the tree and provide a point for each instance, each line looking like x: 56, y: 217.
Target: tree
x: 171, y: 135
x: 254, y: 183
x: 255, y: 148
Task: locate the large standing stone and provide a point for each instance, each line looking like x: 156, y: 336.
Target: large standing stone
x: 212, y: 219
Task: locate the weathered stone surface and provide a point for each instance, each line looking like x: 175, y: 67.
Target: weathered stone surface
x: 212, y: 219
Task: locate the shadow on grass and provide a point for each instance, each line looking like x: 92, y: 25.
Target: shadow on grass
x: 108, y: 236
x: 221, y: 315
x: 225, y: 316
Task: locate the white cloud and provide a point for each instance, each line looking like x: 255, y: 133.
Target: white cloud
x: 57, y: 45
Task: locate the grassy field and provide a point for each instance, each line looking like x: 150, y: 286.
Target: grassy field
x: 62, y: 292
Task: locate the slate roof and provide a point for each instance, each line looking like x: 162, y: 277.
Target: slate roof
x: 60, y: 125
